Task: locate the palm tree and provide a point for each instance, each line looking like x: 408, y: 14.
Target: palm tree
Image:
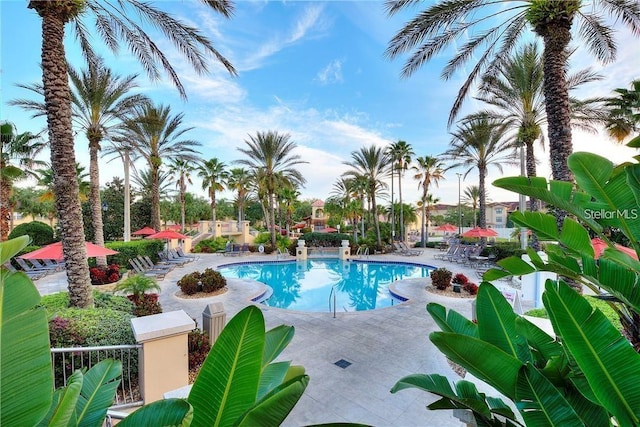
x: 156, y: 136
x: 114, y: 21
x: 214, y: 177
x: 17, y: 158
x: 472, y: 198
x: 270, y: 156
x: 442, y: 24
x: 426, y: 206
x: 370, y: 162
x: 288, y: 195
x: 480, y: 142
x: 181, y: 169
x: 239, y: 181
x: 345, y: 195
x: 516, y: 90
x: 46, y: 179
x: 401, y: 154
x: 624, y: 112
x: 99, y: 101
x: 428, y: 170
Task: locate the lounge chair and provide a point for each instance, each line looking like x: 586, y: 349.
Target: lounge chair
x: 164, y: 258
x: 43, y: 266
x: 26, y: 267
x: 147, y: 264
x: 409, y: 251
x: 173, y: 255
x: 158, y: 274
x: 33, y: 275
x: 181, y: 253
x: 59, y: 266
x: 234, y: 251
x: 443, y: 255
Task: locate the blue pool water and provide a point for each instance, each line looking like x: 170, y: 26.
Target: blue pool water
x: 307, y: 285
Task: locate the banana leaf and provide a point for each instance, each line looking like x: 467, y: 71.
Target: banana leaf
x: 227, y: 384
x: 452, y: 321
x: 274, y: 407
x: 276, y: 340
x: 98, y: 391
x: 620, y: 281
x: 609, y: 363
x: 272, y: 376
x: 167, y: 412
x: 497, y: 323
x: 63, y: 407
x: 540, y: 403
x: 26, y: 384
x: 544, y: 344
x: 495, y: 367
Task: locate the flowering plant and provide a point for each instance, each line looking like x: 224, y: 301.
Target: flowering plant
x: 104, y: 275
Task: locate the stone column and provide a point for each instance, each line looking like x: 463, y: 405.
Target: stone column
x: 344, y: 251
x: 301, y: 251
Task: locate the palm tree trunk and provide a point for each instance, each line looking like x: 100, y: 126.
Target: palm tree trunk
x: 272, y: 214
x: 155, y: 198
x: 374, y: 207
x: 482, y: 172
x: 423, y: 237
x: 63, y: 159
x: 182, y: 204
x: 556, y: 36
x: 127, y: 199
x: 531, y: 171
x: 95, y: 202
x: 5, y: 212
x: 401, y: 207
x: 393, y: 222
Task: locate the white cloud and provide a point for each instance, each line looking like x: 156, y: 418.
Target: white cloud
x: 332, y: 73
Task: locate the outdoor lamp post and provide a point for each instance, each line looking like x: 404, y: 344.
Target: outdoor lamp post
x: 459, y: 206
x: 338, y: 227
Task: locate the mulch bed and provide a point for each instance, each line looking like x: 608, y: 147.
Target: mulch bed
x: 197, y: 295
x: 449, y: 292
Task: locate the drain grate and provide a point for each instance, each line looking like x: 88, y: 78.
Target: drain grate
x: 342, y: 364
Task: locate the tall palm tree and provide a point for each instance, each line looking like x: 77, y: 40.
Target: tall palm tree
x: 17, y: 159
x: 370, y: 162
x: 401, y: 154
x: 440, y: 26
x: 214, y: 177
x: 46, y: 179
x: 624, y: 112
x: 288, y: 195
x: 472, y: 198
x: 344, y: 194
x: 156, y: 136
x: 516, y: 91
x: 99, y: 100
x: 426, y: 206
x: 478, y: 143
x: 428, y: 170
x: 270, y: 156
x: 122, y: 149
x: 239, y: 181
x: 181, y: 169
x: 114, y: 21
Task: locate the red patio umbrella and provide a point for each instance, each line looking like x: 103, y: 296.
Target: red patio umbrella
x: 174, y: 227
x: 480, y: 232
x: 600, y: 245
x: 54, y: 251
x: 447, y: 228
x: 167, y: 234
x: 329, y: 230
x: 146, y: 231
x: 299, y: 225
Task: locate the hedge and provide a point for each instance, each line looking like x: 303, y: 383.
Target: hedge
x: 128, y: 250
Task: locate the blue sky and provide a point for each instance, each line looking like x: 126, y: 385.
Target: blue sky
x: 315, y: 70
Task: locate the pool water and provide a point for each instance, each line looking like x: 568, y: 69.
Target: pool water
x: 307, y: 285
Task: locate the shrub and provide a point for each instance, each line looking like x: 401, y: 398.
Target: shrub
x: 210, y: 245
x: 470, y: 287
x: 441, y: 278
x: 128, y: 250
x: 325, y: 239
x: 199, y: 347
x: 39, y: 232
x: 94, y: 327
x: 145, y: 304
x: 460, y: 279
x: 59, y: 301
x: 502, y: 250
x: 190, y: 283
x: 104, y: 275
x: 212, y: 280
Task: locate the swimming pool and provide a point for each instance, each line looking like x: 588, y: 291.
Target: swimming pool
x: 308, y: 285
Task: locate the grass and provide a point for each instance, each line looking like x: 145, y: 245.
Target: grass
x: 603, y: 306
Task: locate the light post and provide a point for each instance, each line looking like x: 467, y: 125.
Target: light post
x: 459, y: 206
x: 338, y: 227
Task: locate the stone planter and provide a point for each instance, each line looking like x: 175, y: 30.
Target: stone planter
x: 301, y: 243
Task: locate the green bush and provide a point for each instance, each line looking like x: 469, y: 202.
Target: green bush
x: 503, y: 250
x: 212, y: 280
x: 189, y: 283
x: 210, y: 245
x: 146, y: 305
x: 128, y: 250
x: 441, y: 278
x: 331, y: 240
x: 58, y: 301
x: 39, y: 232
x: 199, y: 347
x: 96, y: 326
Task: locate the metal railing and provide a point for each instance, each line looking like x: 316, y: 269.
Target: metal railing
x: 65, y: 361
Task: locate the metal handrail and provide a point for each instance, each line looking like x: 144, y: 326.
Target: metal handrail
x: 333, y: 292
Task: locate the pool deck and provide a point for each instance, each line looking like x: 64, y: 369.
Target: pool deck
x: 382, y: 345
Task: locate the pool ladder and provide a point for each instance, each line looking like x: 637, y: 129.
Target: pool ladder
x: 333, y: 294
x: 363, y: 251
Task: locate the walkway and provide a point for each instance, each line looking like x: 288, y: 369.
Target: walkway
x: 382, y: 346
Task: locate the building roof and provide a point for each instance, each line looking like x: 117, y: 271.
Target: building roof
x: 318, y: 204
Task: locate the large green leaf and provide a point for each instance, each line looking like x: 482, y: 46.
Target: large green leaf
x: 63, y: 414
x: 272, y: 376
x: 98, y: 391
x: 273, y: 408
x: 609, y: 363
x: 26, y: 383
x: 167, y: 412
x: 227, y: 384
x: 497, y: 323
x: 452, y: 321
x: 495, y: 367
x: 633, y: 179
x: 276, y: 340
x: 620, y: 281
x: 544, y: 344
x: 540, y: 403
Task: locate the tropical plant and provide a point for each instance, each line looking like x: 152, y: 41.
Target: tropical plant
x: 17, y: 159
x: 239, y: 181
x: 181, y: 169
x: 368, y: 166
x: 428, y: 170
x: 214, y: 177
x: 442, y: 24
x: 157, y: 135
x: 624, y: 113
x: 441, y: 278
x: 269, y: 156
x: 471, y: 196
x: 114, y: 22
x: 137, y: 285
x: 400, y: 153
x: 479, y: 142
x: 588, y: 374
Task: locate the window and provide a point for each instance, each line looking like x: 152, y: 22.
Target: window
x: 498, y: 211
x: 499, y: 219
